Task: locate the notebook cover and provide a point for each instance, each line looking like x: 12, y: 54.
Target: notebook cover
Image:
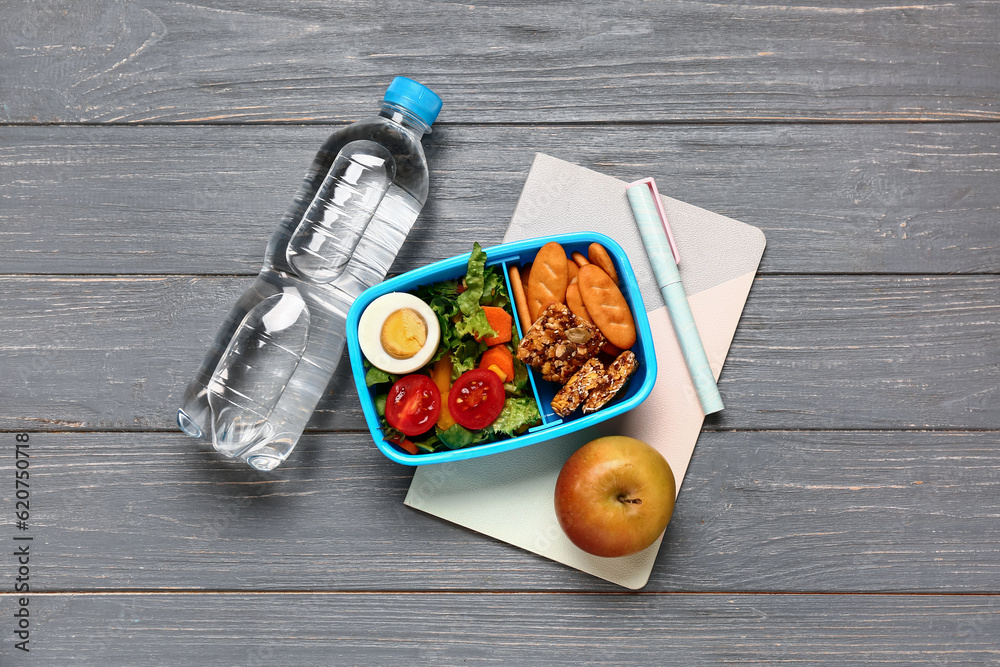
x: 509, y: 496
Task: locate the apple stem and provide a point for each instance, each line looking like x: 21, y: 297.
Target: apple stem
x: 634, y: 501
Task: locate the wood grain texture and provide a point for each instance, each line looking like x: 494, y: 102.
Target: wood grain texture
x: 226, y: 61
x: 115, y: 353
x: 310, y: 629
x: 843, y: 509
x: 865, y: 511
x: 830, y: 198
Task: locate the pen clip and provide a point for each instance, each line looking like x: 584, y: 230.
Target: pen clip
x: 651, y: 184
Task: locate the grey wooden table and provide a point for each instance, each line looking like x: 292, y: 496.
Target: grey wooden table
x: 844, y: 508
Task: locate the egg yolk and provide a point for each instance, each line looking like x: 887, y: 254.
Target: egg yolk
x: 404, y: 333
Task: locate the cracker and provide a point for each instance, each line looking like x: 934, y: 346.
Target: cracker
x: 599, y: 256
x: 618, y: 373
x: 579, y: 259
x: 572, y: 271
x: 520, y: 299
x: 607, y: 306
x: 575, y: 303
x: 548, y: 279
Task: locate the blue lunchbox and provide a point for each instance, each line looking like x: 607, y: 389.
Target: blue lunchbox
x: 517, y: 253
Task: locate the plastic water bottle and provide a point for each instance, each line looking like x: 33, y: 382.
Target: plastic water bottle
x: 278, y: 348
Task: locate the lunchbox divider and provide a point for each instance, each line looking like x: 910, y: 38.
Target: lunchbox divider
x: 547, y: 419
x: 545, y: 426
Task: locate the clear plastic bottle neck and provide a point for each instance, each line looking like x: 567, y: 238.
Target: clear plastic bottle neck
x: 404, y: 117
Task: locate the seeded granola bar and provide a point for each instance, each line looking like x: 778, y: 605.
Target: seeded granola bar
x: 559, y: 343
x: 578, y: 388
x: 618, y: 373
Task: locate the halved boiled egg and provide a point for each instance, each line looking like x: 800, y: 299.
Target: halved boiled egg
x: 398, y: 333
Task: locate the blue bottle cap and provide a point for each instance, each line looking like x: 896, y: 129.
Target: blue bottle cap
x: 417, y: 98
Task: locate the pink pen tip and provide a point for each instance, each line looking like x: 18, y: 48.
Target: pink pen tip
x: 651, y: 184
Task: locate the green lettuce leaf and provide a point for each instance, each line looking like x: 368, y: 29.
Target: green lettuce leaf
x: 429, y: 445
x: 465, y: 355
x: 517, y: 412
x: 445, y: 288
x: 474, y: 320
x: 388, y: 432
x: 475, y: 325
x: 494, y: 289
x: 444, y: 307
x: 518, y: 385
x: 468, y: 300
x: 456, y: 437
x: 378, y: 376
x: 459, y: 437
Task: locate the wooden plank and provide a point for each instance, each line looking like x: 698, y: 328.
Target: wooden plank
x: 867, y: 511
x: 168, y: 61
x: 540, y: 629
x: 831, y: 198
x: 115, y: 353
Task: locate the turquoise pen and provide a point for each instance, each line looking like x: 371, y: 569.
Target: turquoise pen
x: 661, y: 249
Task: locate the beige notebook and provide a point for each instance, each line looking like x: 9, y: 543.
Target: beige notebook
x: 509, y: 496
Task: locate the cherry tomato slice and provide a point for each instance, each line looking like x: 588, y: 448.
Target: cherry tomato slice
x: 413, y: 404
x: 476, y: 399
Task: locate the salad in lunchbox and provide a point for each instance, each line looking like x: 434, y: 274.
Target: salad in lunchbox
x: 442, y: 361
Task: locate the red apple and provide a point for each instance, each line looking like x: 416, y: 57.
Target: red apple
x: 614, y: 496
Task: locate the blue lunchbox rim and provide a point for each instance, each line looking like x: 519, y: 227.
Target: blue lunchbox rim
x: 496, y: 255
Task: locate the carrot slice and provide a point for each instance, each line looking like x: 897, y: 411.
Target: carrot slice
x: 500, y: 320
x: 499, y: 356
x: 405, y: 444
